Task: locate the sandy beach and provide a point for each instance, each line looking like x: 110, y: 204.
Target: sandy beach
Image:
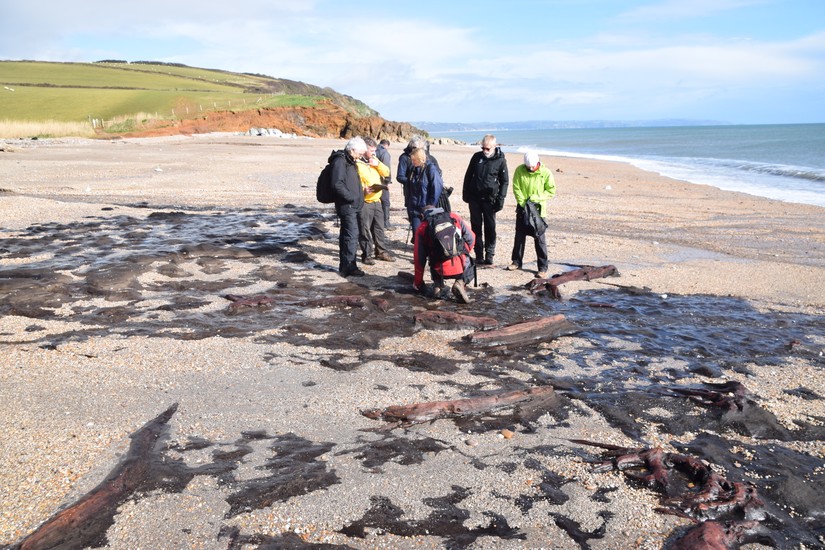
x: 116, y: 261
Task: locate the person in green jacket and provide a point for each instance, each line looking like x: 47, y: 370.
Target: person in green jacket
x: 531, y: 182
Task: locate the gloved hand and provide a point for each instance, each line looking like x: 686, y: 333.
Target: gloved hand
x: 499, y: 205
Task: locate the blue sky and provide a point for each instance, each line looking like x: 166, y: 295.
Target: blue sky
x: 739, y: 61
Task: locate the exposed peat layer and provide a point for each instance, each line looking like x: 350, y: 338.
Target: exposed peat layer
x: 635, y: 371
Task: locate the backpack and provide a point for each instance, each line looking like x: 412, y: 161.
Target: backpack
x: 445, y: 237
x: 324, y: 191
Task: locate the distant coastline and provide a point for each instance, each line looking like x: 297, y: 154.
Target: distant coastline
x: 433, y: 127
x: 780, y: 161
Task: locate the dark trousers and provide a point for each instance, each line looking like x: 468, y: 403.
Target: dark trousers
x: 414, y: 215
x: 371, y: 222
x: 385, y: 205
x: 347, y: 237
x: 483, y: 223
x: 520, y: 241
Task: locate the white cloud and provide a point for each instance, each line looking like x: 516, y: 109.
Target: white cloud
x: 415, y: 66
x: 684, y: 9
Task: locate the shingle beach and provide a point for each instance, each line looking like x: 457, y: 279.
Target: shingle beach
x: 116, y: 260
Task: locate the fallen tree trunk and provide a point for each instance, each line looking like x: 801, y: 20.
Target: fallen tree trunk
x: 584, y: 273
x: 716, y: 535
x: 239, y: 302
x: 66, y: 528
x: 449, y: 320
x: 347, y: 301
x: 526, y: 332
x: 423, y: 412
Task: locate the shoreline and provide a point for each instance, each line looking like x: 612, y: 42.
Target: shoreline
x: 604, y: 211
x: 82, y: 200
x: 738, y: 162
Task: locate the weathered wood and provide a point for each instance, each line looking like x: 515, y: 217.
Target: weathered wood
x: 584, y: 273
x: 728, y: 396
x: 347, y: 301
x: 715, y: 496
x: 449, y: 320
x: 713, y: 535
x: 106, y: 497
x: 524, y: 333
x: 240, y: 302
x: 423, y: 412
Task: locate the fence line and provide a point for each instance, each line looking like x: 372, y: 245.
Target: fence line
x: 102, y: 124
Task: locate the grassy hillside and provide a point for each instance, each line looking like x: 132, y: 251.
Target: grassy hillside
x: 119, y: 95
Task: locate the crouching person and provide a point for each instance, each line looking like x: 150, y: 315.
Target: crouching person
x: 445, y: 241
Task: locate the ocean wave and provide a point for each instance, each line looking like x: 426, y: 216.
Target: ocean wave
x: 775, y: 181
x: 781, y: 170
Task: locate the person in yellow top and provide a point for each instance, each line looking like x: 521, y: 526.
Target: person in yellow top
x: 532, y: 182
x: 371, y: 236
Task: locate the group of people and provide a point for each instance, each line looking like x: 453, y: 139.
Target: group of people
x: 361, y: 179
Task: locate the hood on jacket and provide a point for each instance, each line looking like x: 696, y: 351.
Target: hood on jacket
x: 496, y: 154
x: 433, y: 211
x: 340, y: 153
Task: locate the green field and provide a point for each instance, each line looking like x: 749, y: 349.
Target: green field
x: 76, y: 104
x: 35, y: 91
x: 89, y: 75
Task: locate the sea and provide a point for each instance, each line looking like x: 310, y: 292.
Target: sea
x: 780, y: 161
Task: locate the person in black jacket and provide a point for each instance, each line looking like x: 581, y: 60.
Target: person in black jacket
x: 349, y: 198
x: 383, y: 155
x: 485, y: 188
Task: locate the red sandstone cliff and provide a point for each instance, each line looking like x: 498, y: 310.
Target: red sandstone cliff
x: 327, y: 120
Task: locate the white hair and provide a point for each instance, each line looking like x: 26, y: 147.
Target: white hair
x: 356, y: 146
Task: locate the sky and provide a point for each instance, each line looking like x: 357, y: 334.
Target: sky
x: 736, y: 61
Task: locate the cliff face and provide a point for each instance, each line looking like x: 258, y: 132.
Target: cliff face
x: 327, y: 120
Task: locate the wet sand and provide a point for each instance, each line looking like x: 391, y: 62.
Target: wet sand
x: 116, y: 260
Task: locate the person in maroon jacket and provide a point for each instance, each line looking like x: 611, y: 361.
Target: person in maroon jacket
x: 459, y: 267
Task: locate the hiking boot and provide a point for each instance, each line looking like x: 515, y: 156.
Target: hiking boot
x: 541, y: 275
x: 366, y: 260
x: 513, y: 267
x: 460, y: 292
x: 488, y: 260
x: 437, y: 290
x: 384, y: 257
x: 356, y: 272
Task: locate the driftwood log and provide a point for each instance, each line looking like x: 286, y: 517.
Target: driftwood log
x: 584, y: 273
x: 448, y: 320
x: 240, y: 302
x: 260, y: 300
x: 106, y: 497
x: 524, y: 333
x: 347, y: 301
x: 424, y: 412
x: 713, y: 535
x: 713, y: 497
x: 708, y: 497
